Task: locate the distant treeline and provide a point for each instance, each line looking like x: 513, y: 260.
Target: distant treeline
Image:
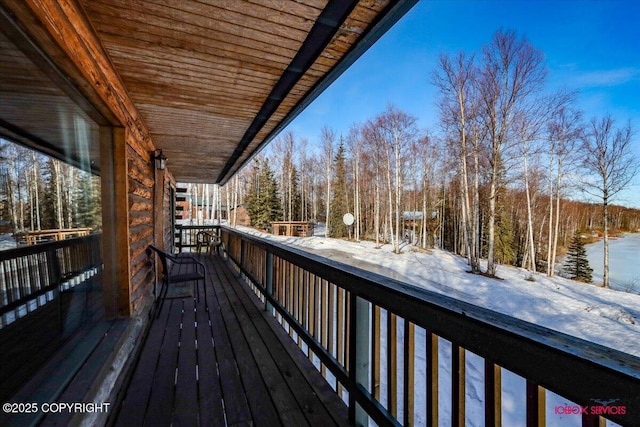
x: 38, y: 192
x: 500, y: 179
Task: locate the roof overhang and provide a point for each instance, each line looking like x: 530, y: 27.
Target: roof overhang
x: 209, y: 83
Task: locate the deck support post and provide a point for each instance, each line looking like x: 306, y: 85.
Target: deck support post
x: 269, y: 282
x: 359, y: 355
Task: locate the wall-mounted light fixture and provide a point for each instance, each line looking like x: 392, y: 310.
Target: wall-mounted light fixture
x: 160, y: 159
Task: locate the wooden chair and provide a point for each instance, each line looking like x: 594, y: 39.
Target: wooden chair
x: 194, y: 271
x: 203, y: 239
x: 216, y: 244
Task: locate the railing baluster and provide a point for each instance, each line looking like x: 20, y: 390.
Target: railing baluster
x: 269, y: 280
x: 304, y: 282
x: 392, y: 364
x: 535, y: 405
x: 359, y: 332
x: 432, y: 379
x: 324, y: 290
x: 375, y: 356
x: 409, y: 372
x: 331, y: 324
x: 457, y: 385
x: 312, y: 308
x: 492, y: 394
x: 300, y: 294
x: 589, y: 420
x: 292, y: 296
x: 340, y: 333
x: 347, y: 350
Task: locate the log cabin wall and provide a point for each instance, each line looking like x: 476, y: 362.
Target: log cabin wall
x: 141, y: 223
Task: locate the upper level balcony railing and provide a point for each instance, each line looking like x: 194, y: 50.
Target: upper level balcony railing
x: 187, y: 235
x: 376, y: 340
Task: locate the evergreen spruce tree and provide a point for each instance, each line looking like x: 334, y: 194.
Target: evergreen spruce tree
x: 48, y: 202
x: 263, y: 200
x: 577, y: 265
x: 88, y: 202
x: 504, y: 252
x: 297, y: 199
x: 337, y: 227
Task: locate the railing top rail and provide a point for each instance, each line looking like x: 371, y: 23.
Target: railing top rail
x: 57, y: 230
x: 43, y: 247
x: 197, y: 227
x: 568, y: 365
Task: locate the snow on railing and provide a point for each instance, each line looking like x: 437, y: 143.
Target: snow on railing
x: 399, y: 355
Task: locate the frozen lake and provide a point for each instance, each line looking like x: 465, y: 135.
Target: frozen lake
x: 624, y: 262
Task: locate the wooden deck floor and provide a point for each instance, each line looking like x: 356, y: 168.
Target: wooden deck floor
x: 230, y: 364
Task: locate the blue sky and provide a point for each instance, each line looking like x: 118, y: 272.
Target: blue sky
x: 590, y: 45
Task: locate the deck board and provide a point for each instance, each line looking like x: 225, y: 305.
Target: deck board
x: 267, y: 379
x: 223, y: 361
x: 254, y: 388
x: 186, y: 395
x: 135, y: 406
x: 211, y: 409
x: 234, y: 400
x: 161, y: 400
x: 315, y: 400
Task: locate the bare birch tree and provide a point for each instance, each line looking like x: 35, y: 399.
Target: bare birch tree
x: 399, y: 131
x: 563, y: 132
x: 374, y: 143
x: 512, y: 72
x: 608, y: 159
x: 455, y: 80
x: 355, y: 144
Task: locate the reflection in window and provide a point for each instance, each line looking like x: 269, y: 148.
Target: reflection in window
x: 39, y: 193
x: 51, y: 289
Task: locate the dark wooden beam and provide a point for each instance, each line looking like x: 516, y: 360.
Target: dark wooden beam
x: 385, y: 20
x: 325, y: 27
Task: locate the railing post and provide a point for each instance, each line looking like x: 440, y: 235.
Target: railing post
x: 269, y: 281
x: 359, y: 358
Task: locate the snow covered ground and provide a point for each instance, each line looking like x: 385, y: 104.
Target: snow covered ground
x: 607, y: 317
x: 604, y: 316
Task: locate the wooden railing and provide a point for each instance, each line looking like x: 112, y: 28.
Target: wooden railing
x: 29, y: 275
x: 47, y: 293
x: 376, y: 340
x: 186, y: 235
x: 39, y: 236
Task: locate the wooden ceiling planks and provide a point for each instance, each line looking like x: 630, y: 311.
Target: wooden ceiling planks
x: 218, y: 62
x: 169, y: 26
x: 200, y: 72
